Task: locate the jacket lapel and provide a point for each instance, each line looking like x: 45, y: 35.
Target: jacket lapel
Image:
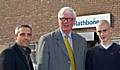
x: 75, y: 43
x: 60, y: 42
x: 19, y: 53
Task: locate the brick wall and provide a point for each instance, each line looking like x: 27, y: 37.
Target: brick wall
x: 42, y: 15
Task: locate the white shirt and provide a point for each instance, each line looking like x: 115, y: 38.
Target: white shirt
x: 106, y: 46
x: 69, y: 38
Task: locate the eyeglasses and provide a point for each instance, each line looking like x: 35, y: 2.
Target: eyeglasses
x: 68, y: 19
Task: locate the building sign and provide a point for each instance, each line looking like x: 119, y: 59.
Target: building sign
x: 90, y: 20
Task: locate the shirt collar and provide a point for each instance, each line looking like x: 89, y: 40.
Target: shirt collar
x: 63, y: 34
x: 24, y: 50
x: 106, y: 46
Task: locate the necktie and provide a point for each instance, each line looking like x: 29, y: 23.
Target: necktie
x: 70, y: 53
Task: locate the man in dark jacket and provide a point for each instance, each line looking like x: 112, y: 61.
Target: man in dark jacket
x: 17, y: 56
x: 106, y: 55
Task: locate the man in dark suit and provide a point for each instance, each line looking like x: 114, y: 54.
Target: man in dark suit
x: 17, y: 57
x: 52, y: 53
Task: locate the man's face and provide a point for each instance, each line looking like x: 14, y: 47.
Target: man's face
x: 66, y: 22
x: 104, y: 32
x: 23, y: 37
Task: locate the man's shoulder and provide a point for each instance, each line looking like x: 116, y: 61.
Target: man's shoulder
x: 9, y: 50
x: 94, y: 48
x: 115, y: 44
x: 47, y: 35
x: 52, y: 33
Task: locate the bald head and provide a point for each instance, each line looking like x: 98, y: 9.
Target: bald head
x: 103, y: 23
x: 104, y: 31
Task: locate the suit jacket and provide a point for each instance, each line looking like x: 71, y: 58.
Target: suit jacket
x: 52, y: 53
x: 12, y: 58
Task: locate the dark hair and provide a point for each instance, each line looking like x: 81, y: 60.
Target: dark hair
x: 21, y: 26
